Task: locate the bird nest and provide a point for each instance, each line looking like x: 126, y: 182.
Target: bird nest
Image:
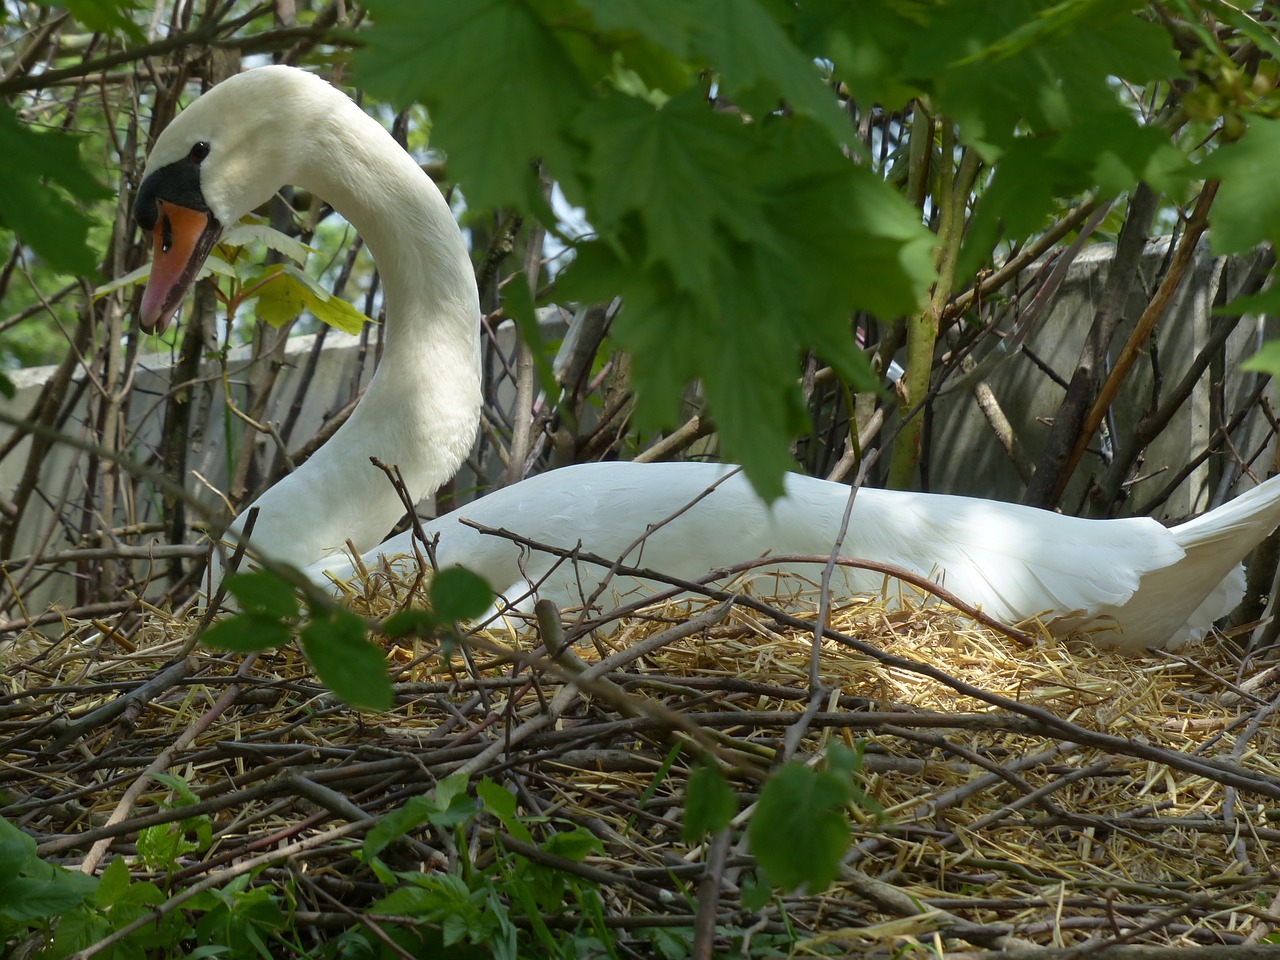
x: 1020, y: 797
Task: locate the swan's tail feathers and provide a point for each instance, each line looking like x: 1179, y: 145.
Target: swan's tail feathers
x: 1244, y: 521
x: 1215, y: 544
x: 1224, y: 597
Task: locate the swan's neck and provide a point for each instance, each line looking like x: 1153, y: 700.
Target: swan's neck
x: 421, y: 410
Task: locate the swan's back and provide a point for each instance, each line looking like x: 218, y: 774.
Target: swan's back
x: 1011, y: 560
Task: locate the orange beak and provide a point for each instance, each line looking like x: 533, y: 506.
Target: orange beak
x: 182, y: 239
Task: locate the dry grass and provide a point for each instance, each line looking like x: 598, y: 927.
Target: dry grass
x: 1045, y: 796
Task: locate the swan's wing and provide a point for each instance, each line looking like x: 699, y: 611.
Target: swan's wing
x: 1013, y: 561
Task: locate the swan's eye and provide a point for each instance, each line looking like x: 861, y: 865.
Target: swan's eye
x: 199, y: 151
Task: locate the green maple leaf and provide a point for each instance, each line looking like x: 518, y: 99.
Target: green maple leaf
x: 737, y: 246
x: 756, y: 63
x: 499, y: 84
x: 673, y: 169
x: 865, y: 43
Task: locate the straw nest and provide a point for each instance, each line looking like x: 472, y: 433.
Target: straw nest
x: 1040, y: 796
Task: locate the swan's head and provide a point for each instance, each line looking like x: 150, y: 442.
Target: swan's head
x: 226, y: 154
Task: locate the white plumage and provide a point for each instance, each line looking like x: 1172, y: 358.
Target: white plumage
x: 1134, y: 581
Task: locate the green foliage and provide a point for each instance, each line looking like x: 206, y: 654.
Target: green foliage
x: 281, y: 292
x: 334, y: 639
x: 1030, y: 86
x: 710, y: 802
x: 107, y: 16
x: 43, y: 178
x: 345, y: 661
x: 261, y: 591
x: 459, y: 594
x: 800, y: 828
x: 269, y: 608
x: 248, y: 632
x: 161, y: 846
x: 242, y: 918
x: 444, y: 808
x: 35, y: 894
x: 471, y: 906
x: 1267, y: 359
x: 31, y: 889
x: 738, y: 239
x: 736, y: 245
x: 1246, y: 211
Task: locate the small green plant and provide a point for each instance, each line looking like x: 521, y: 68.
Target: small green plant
x: 335, y: 639
x: 160, y: 847
x: 498, y: 903
x: 32, y: 892
x: 239, y: 919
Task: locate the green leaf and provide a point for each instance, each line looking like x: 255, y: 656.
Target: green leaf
x: 676, y: 164
x: 501, y: 87
x: 324, y: 306
x: 77, y: 930
x: 247, y: 633
x: 444, y: 808
x: 1266, y: 360
x: 800, y: 831
x: 755, y: 894
x: 17, y: 851
x: 106, y: 16
x: 1268, y: 301
x: 407, y: 623
x: 1107, y: 151
x: 282, y: 291
x: 758, y: 244
x: 45, y: 890
x: 755, y: 60
x: 36, y: 168
x: 1001, y: 69
x: 669, y: 944
x: 113, y: 883
x: 459, y: 594
x: 249, y: 231
x: 758, y: 63
x: 392, y: 826
x: 576, y: 844
x: 668, y: 23
x: 1246, y: 211
x: 160, y: 846
x: 264, y: 592
x: 709, y: 803
x: 499, y: 803
x: 453, y: 805
x: 866, y: 43
x: 186, y: 796
x: 345, y: 661
x: 135, y: 276
x: 277, y: 297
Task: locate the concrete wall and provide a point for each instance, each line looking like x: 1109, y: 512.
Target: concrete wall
x: 967, y: 458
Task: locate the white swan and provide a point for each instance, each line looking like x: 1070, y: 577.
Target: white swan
x: 227, y: 153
